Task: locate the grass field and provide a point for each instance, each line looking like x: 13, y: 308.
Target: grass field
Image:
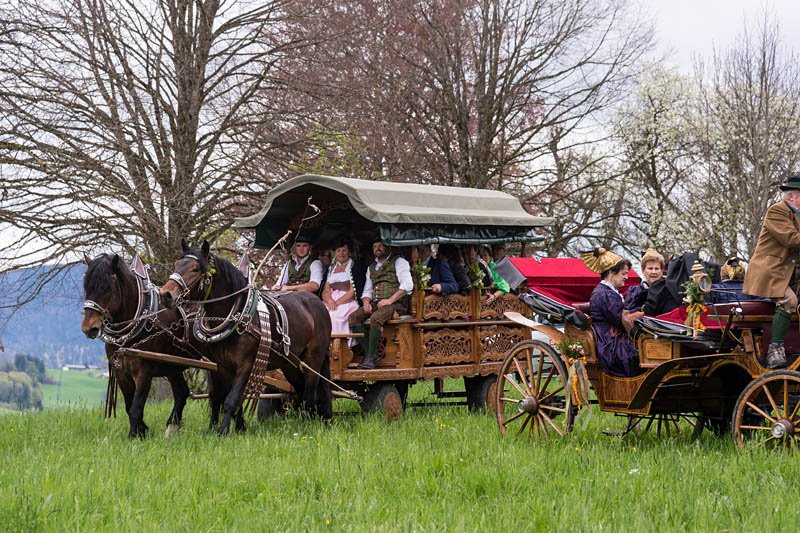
x: 438, y: 468
x: 75, y: 388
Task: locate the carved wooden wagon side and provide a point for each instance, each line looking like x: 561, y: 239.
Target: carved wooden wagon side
x: 691, y: 381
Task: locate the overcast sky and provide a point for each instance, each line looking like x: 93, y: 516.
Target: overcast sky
x: 697, y: 26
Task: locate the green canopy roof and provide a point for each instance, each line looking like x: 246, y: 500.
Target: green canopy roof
x: 403, y: 213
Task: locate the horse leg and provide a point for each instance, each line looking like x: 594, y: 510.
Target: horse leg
x: 136, y: 415
x: 180, y: 393
x: 233, y: 401
x: 218, y: 389
x: 324, y: 404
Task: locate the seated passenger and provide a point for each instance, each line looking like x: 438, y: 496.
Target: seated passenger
x: 442, y: 280
x: 472, y: 254
x: 729, y: 290
x: 325, y: 257
x: 451, y: 254
x: 386, y: 292
x: 616, y: 352
x: 667, y: 293
x: 339, y: 293
x: 300, y: 273
x: 498, y: 283
x: 652, y: 271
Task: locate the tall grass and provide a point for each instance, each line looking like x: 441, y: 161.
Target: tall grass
x: 438, y: 468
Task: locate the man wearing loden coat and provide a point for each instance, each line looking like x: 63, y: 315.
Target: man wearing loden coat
x: 772, y: 265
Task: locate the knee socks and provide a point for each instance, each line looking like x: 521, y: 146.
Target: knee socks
x: 374, y: 339
x: 362, y: 341
x: 780, y: 325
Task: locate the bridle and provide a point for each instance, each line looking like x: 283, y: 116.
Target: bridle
x: 204, y: 280
x: 146, y: 307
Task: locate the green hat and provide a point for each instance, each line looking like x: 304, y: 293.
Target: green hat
x: 792, y: 183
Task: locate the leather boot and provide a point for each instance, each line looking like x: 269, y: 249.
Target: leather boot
x: 776, y: 355
x: 369, y: 362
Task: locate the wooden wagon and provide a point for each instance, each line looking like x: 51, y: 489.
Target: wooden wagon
x: 453, y: 336
x: 692, y: 380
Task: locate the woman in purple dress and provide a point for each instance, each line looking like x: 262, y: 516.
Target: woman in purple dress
x: 615, y: 350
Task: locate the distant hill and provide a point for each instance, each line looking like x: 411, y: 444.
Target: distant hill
x: 50, y: 326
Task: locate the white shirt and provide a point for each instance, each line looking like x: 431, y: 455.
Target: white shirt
x: 316, y: 270
x: 403, y: 271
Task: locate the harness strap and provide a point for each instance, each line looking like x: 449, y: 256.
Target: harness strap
x: 258, y: 374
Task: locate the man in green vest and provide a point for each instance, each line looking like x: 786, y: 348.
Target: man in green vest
x: 386, y: 292
x: 300, y: 273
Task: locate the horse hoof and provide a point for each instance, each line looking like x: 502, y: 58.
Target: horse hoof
x: 172, y: 430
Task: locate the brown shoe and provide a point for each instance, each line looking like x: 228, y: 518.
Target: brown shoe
x: 369, y: 362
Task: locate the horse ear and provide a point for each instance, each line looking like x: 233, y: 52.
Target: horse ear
x: 86, y: 259
x: 205, y: 248
x: 115, y: 262
x: 184, y: 245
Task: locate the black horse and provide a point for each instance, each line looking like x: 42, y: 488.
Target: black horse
x: 122, y: 308
x: 201, y: 275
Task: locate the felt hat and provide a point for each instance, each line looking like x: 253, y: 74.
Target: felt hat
x: 303, y: 237
x: 650, y: 256
x: 792, y: 183
x: 599, y: 260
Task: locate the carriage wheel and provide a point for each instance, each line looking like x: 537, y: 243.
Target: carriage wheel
x: 672, y: 425
x: 481, y: 391
x: 766, y: 413
x: 531, y: 392
x: 384, y: 398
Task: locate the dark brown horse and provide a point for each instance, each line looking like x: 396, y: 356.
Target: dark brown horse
x: 201, y: 275
x: 122, y: 308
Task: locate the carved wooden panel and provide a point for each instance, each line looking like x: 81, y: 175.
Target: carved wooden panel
x: 446, y: 346
x: 506, y: 302
x: 449, y: 307
x: 496, y: 341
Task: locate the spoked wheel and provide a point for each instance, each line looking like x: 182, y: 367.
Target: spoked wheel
x: 531, y: 392
x: 671, y: 425
x: 766, y: 413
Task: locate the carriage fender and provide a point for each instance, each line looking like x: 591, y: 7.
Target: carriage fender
x: 554, y: 334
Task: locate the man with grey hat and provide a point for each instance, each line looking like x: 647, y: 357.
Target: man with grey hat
x: 773, y: 264
x: 300, y: 273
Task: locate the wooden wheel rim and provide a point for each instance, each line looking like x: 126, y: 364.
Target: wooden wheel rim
x: 530, y: 394
x: 767, y: 413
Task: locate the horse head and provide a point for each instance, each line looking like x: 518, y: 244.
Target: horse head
x: 104, y: 285
x: 193, y: 272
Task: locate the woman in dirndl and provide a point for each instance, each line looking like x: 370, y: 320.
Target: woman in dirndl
x: 339, y: 294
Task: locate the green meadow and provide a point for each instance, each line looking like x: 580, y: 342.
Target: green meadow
x: 74, y: 388
x: 438, y: 468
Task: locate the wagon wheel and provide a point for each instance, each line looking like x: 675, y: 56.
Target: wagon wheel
x: 767, y: 412
x: 383, y: 398
x: 670, y: 425
x: 481, y: 392
x: 531, y: 393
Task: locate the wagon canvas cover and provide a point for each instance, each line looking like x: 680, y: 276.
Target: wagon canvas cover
x: 405, y: 214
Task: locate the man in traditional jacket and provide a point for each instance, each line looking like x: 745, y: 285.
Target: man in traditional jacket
x: 386, y: 292
x: 301, y: 272
x: 773, y: 263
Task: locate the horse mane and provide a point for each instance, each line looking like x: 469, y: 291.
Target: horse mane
x: 99, y: 274
x: 229, y: 273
